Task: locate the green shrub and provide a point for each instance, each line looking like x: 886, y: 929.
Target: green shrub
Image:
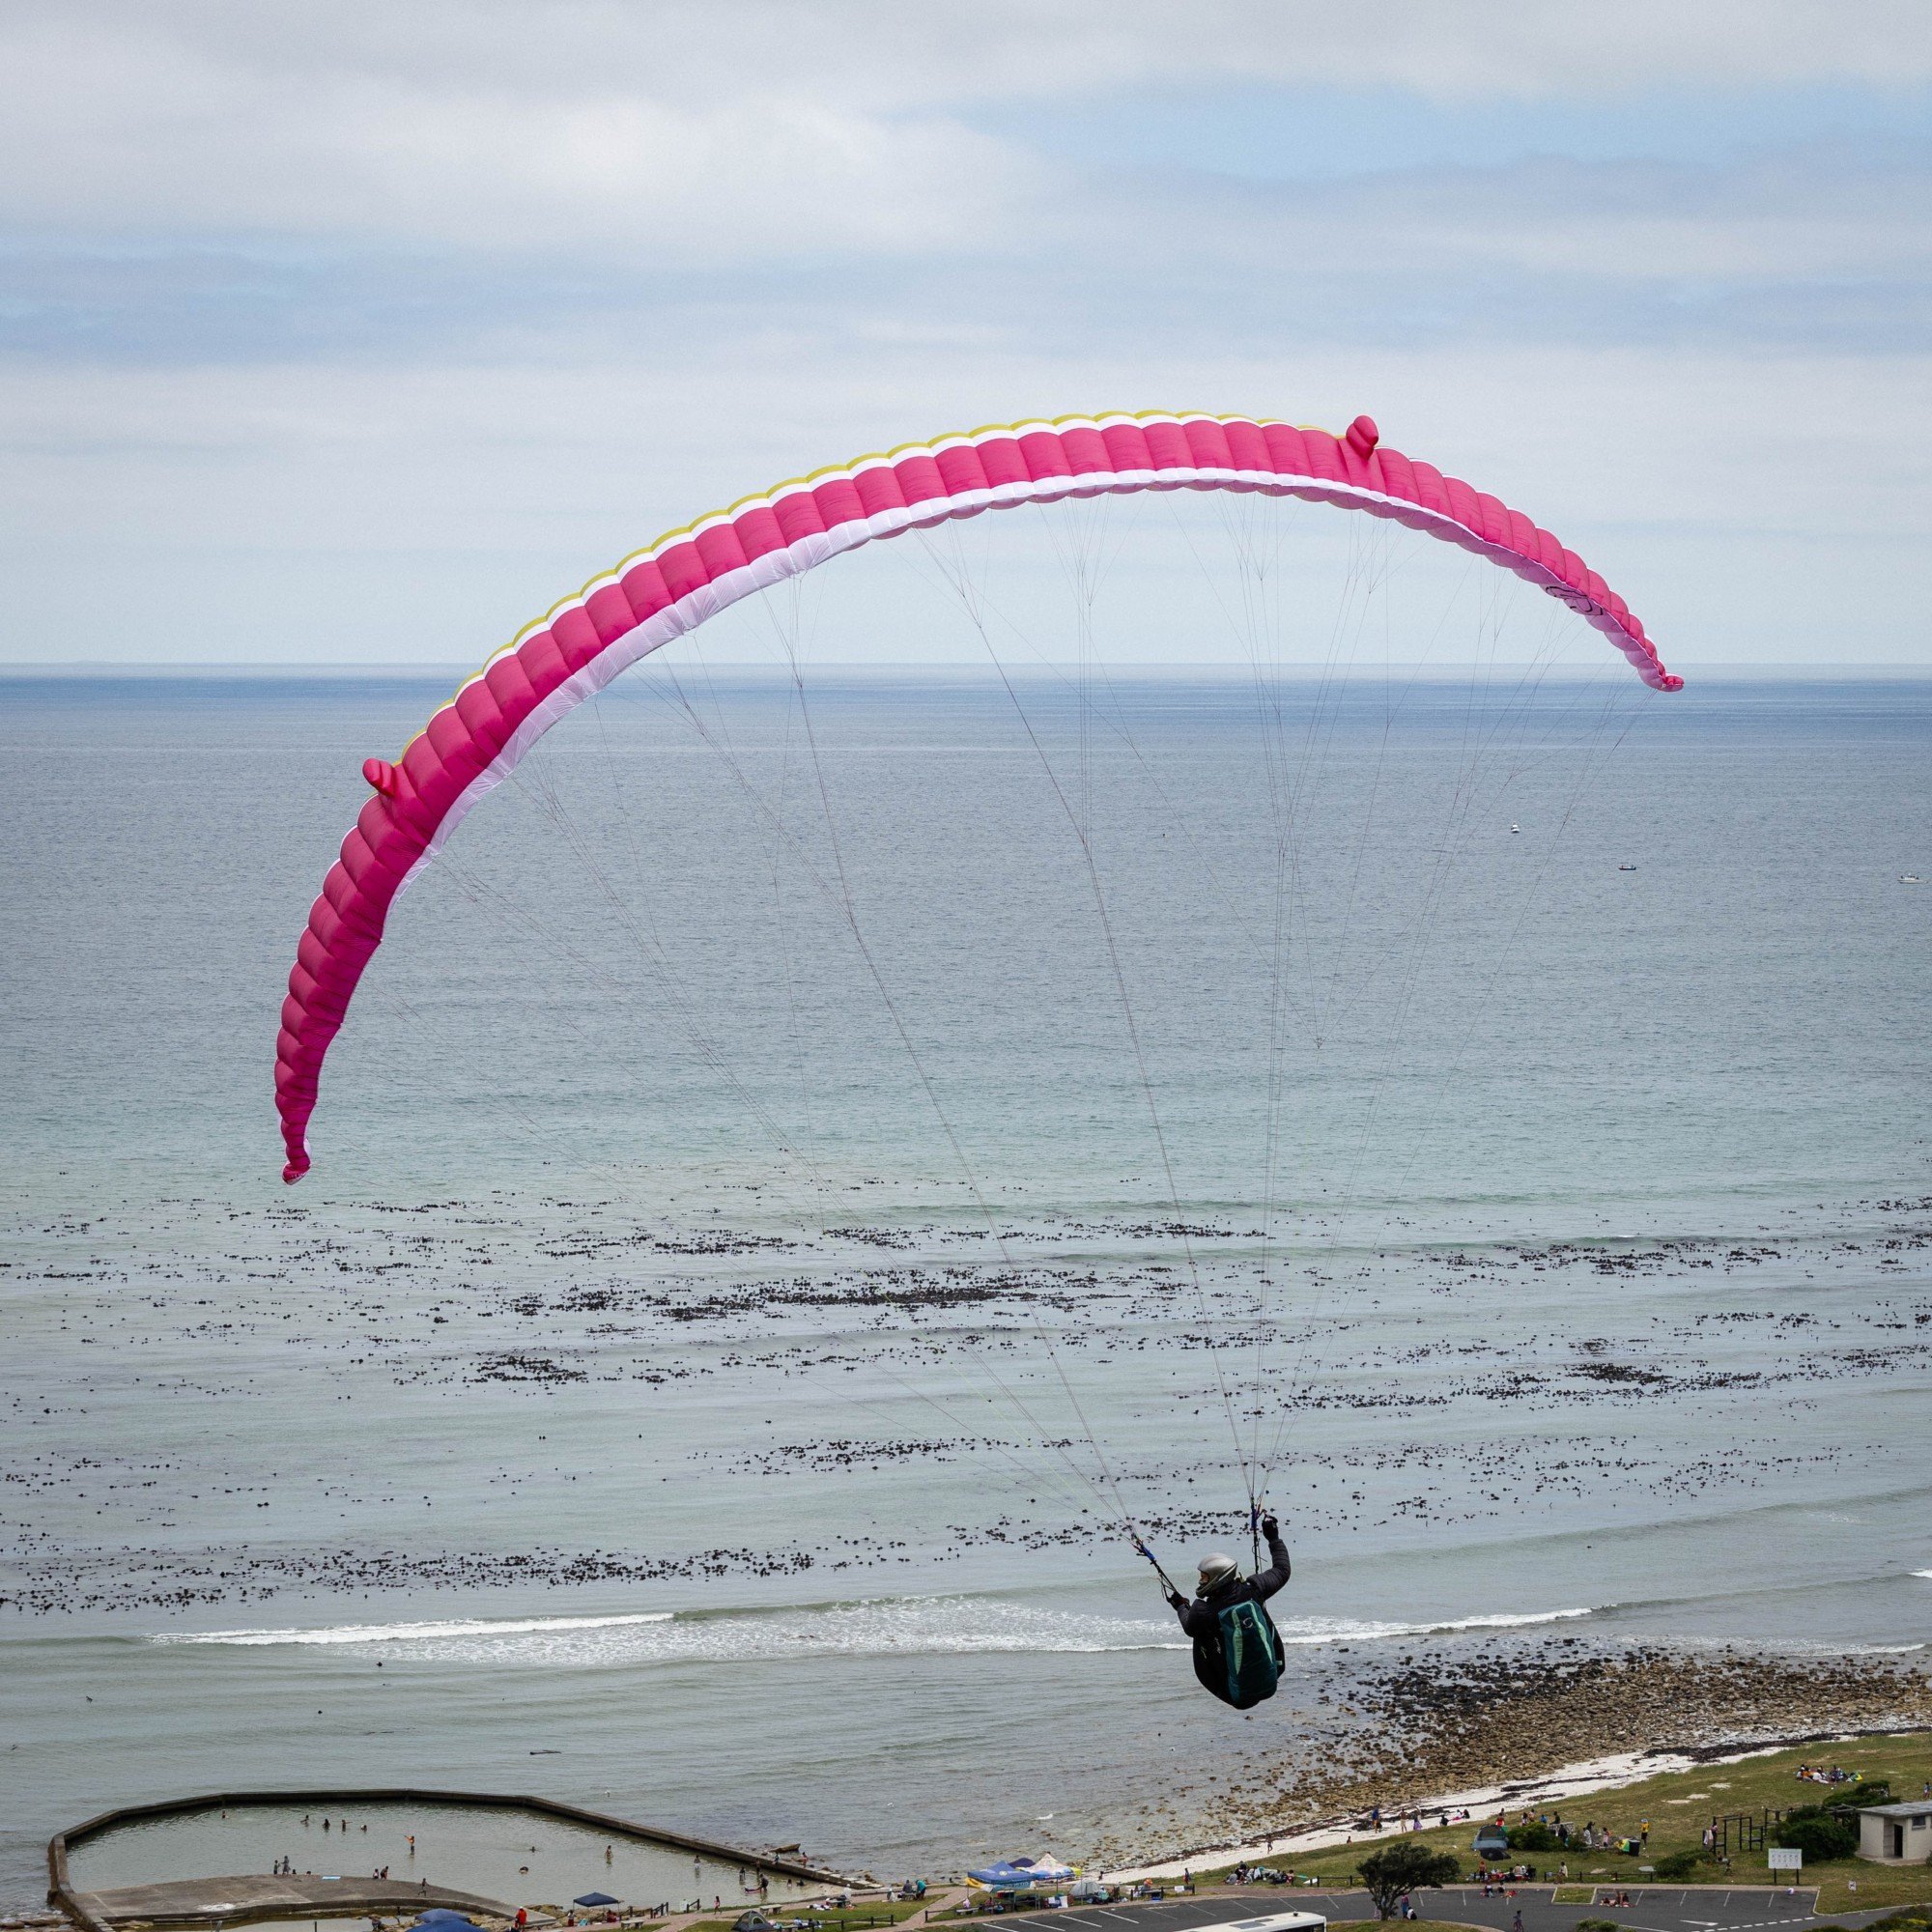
x: 1533, y: 1838
x: 1674, y: 1867
x: 1818, y: 1834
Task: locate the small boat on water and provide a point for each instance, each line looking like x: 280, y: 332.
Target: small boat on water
x: 1626, y: 868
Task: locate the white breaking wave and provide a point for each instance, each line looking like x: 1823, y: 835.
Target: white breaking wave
x: 1331, y: 1630
x: 1510, y: 1619
x: 1922, y: 1573
x: 918, y: 1626
x: 912, y: 1627
x: 412, y: 1632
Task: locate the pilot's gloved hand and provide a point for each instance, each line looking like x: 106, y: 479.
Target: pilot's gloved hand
x: 1176, y: 1600
x: 1270, y: 1528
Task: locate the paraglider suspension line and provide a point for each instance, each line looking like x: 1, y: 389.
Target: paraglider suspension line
x: 1166, y: 1581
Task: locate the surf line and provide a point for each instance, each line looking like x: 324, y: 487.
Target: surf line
x: 338, y: 1633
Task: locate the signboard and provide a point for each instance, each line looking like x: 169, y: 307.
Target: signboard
x: 1786, y: 1858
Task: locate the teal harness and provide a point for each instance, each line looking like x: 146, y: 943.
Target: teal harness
x: 1252, y: 1653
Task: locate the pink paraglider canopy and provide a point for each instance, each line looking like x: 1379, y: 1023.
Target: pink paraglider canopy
x: 691, y: 575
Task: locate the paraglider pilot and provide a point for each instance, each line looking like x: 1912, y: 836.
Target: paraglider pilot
x: 1238, y: 1653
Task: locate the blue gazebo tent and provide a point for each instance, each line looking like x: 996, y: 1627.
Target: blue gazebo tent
x: 1017, y: 1874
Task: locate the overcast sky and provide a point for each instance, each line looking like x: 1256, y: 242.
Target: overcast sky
x: 363, y: 332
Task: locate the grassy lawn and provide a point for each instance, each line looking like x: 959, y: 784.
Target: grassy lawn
x: 1678, y: 1805
x: 1911, y: 1919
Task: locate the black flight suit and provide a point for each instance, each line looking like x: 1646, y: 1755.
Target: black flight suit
x: 1202, y: 1618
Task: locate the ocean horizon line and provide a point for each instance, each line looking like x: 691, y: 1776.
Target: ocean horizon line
x: 959, y: 669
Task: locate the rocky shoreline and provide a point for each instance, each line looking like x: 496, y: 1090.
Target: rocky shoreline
x: 1437, y: 1729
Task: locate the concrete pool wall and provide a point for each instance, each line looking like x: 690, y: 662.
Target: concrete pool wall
x: 82, y: 1903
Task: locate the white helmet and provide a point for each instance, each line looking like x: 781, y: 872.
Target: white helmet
x: 1216, y: 1567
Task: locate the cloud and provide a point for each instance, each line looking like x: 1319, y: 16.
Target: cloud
x: 155, y: 126
x: 1824, y: 246
x: 357, y: 333
x: 739, y: 130
x: 1747, y: 508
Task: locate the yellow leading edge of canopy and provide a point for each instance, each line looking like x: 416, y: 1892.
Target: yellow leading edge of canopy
x: 710, y: 518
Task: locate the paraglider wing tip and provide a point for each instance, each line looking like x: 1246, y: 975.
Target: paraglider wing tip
x: 1363, y: 436
x: 1672, y: 682
x: 294, y: 1169
x: 381, y: 774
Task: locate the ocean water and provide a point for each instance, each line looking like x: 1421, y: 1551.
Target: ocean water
x: 815, y: 1163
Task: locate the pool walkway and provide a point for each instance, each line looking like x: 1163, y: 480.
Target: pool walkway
x: 196, y: 1901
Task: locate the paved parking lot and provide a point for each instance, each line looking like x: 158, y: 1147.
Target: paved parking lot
x: 1653, y: 1908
